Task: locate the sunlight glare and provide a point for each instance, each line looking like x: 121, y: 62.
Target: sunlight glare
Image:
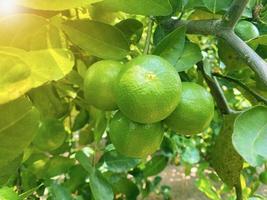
x: 7, y: 7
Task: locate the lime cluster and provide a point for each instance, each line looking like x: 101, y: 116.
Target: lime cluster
x: 147, y: 92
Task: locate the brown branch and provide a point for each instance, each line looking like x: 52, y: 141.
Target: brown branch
x: 234, y: 13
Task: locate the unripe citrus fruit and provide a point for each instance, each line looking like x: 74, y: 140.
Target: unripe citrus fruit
x: 195, y: 111
x: 134, y: 139
x: 50, y: 136
x: 246, y: 30
x: 99, y: 84
x: 148, y: 89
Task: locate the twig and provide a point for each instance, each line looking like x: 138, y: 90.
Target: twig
x: 216, y: 91
x: 238, y: 191
x: 149, y: 34
x: 254, y: 94
x: 234, y: 13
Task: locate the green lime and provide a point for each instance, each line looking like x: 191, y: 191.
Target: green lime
x: 263, y: 177
x: 134, y: 139
x: 58, y: 165
x: 148, y: 89
x: 195, y: 111
x: 246, y: 30
x: 37, y: 164
x: 99, y: 84
x: 51, y: 135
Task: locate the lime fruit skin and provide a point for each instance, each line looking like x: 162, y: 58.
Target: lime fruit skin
x: 50, y: 136
x: 148, y: 89
x: 99, y: 84
x: 195, y: 111
x: 246, y: 30
x: 134, y: 139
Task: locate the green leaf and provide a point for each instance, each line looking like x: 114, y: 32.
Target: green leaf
x: 155, y: 165
x: 140, y: 7
x: 131, y: 28
x: 58, y: 165
x: 216, y: 5
x: 205, y: 186
x: 172, y: 46
x: 7, y: 193
x: 122, y: 185
x: 59, y: 192
x: 117, y: 163
x: 249, y: 130
x: 80, y: 120
x: 99, y: 39
x: 27, y: 70
x: 9, y: 169
x: 46, y: 99
x: 55, y: 4
x: 30, y: 32
x: 99, y: 123
x: 224, y: 158
x: 261, y: 40
x: 84, y: 161
x: 18, y: 125
x: 100, y: 188
x: 190, y: 56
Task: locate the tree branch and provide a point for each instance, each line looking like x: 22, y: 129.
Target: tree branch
x: 234, y: 13
x: 216, y: 91
x: 238, y: 191
x: 217, y: 28
x: 224, y: 29
x: 256, y: 63
x: 254, y: 94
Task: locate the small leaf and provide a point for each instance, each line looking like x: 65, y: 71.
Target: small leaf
x: 7, y: 193
x: 224, y: 158
x: 9, y: 169
x: 19, y: 122
x: 100, y: 188
x: 155, y: 165
x: 80, y: 120
x: 99, y: 39
x: 47, y: 100
x: 140, y: 7
x: 216, y: 5
x: 59, y: 192
x: 172, y: 46
x: 249, y: 130
x: 84, y: 161
x: 123, y: 185
x: 190, y: 56
x: 55, y: 4
x: 118, y: 163
x: 131, y: 28
x: 99, y: 123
